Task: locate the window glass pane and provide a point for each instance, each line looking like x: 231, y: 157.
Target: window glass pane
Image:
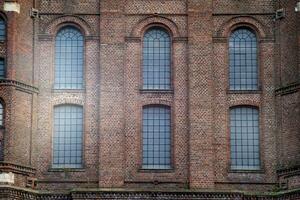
x: 67, y: 139
x: 69, y: 59
x: 243, y: 60
x: 156, y: 59
x: 2, y: 68
x: 244, y: 138
x: 156, y: 137
x: 2, y: 30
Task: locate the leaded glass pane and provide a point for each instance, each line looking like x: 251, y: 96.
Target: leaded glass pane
x: 2, y: 30
x: 156, y: 137
x: 243, y: 60
x: 69, y: 59
x: 2, y: 68
x: 157, y: 59
x: 244, y: 130
x: 67, y: 140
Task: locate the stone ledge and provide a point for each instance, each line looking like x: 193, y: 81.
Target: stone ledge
x: 288, y: 89
x: 15, y: 168
x: 127, y: 194
x: 19, y: 85
x: 289, y: 171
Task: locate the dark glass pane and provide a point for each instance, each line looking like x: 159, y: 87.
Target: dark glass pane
x: 69, y: 59
x: 243, y: 60
x: 244, y: 130
x: 2, y: 30
x: 156, y: 59
x: 2, y: 68
x: 67, y: 139
x: 156, y: 138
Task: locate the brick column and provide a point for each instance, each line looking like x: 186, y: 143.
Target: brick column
x: 200, y: 93
x: 111, y: 151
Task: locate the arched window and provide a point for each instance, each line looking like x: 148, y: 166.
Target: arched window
x: 69, y: 59
x: 243, y: 60
x: 68, y: 136
x: 2, y: 30
x: 157, y: 59
x: 244, y: 138
x: 156, y: 137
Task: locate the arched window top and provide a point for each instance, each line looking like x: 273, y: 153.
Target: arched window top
x: 69, y: 55
x: 243, y: 34
x: 157, y: 59
x: 2, y: 29
x: 157, y: 33
x: 69, y: 33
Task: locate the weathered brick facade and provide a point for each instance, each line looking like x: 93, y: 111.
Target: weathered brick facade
x: 113, y: 98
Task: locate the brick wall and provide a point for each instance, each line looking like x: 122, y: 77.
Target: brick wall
x: 112, y: 97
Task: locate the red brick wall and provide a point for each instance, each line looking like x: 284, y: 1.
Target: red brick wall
x: 113, y: 101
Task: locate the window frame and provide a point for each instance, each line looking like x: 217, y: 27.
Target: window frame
x: 52, y: 168
x: 81, y: 30
x: 254, y: 30
x: 260, y: 146
x: 145, y: 170
x: 4, y: 68
x: 3, y: 17
x: 144, y: 31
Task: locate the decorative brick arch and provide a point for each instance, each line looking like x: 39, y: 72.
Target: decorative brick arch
x: 157, y: 102
x: 57, y: 23
x: 69, y: 100
x: 251, y: 103
x: 227, y: 27
x: 140, y: 27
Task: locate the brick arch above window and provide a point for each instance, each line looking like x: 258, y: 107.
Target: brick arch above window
x: 229, y: 26
x: 55, y: 25
x: 146, y: 23
x: 71, y: 100
x: 245, y: 102
x: 156, y: 101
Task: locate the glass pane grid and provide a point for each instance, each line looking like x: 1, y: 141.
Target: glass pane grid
x: 156, y: 138
x: 243, y: 60
x: 2, y: 68
x: 2, y: 30
x: 157, y: 59
x: 67, y: 140
x: 244, y: 128
x: 69, y: 59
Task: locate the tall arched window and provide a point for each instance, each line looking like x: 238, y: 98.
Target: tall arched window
x: 243, y: 60
x: 68, y: 136
x: 2, y: 30
x: 157, y: 59
x: 69, y: 59
x: 244, y: 138
x: 156, y: 137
